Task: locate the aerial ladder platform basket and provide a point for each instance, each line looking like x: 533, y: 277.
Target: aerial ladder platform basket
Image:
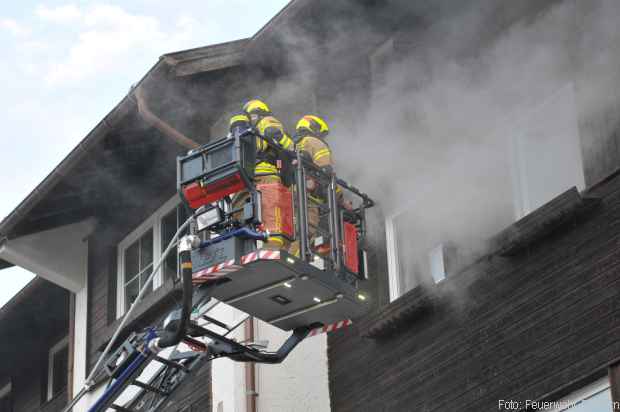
x: 285, y: 290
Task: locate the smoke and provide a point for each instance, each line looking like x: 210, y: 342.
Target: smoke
x: 431, y: 137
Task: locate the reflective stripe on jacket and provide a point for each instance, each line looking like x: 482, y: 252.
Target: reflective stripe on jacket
x: 317, y: 149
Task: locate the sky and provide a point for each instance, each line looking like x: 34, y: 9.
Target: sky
x: 65, y: 65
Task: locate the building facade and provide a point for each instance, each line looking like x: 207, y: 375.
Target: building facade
x: 486, y: 131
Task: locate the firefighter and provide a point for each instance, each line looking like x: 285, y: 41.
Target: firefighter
x: 258, y: 118
x: 310, y: 134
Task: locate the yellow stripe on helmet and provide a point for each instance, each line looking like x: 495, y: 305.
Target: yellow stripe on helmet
x: 286, y: 142
x: 256, y: 106
x: 239, y: 118
x: 312, y: 124
x: 323, y: 127
x: 264, y: 167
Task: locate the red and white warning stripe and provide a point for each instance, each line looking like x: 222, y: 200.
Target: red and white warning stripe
x: 260, y: 254
x: 331, y: 328
x: 216, y: 271
x: 213, y: 272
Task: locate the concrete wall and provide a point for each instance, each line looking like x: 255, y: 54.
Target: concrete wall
x: 300, y: 383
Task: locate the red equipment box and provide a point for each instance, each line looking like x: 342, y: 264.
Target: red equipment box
x: 351, y: 254
x: 277, y: 209
x: 198, y: 194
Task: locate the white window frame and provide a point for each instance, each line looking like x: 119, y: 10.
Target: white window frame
x: 391, y: 242
x: 153, y: 223
x: 566, y: 404
x: 60, y: 345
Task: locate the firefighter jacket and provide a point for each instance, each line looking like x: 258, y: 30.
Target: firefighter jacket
x: 317, y: 150
x: 269, y: 128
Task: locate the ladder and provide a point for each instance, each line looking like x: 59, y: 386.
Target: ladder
x: 126, y: 365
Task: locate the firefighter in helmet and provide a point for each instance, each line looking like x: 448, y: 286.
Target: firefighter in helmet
x: 256, y: 117
x: 310, y: 134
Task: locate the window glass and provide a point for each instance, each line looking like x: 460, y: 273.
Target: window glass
x: 169, y: 225
x: 132, y: 260
x: 546, y: 153
x: 138, y: 262
x: 600, y: 402
x: 168, y: 229
x: 592, y: 398
x: 59, y: 371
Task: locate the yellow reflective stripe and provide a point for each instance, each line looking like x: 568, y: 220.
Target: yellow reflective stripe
x: 302, y: 143
x: 239, y: 118
x: 186, y: 265
x: 266, y: 170
x: 275, y: 239
x: 261, y: 144
x: 316, y: 199
x: 321, y: 153
x: 264, y: 167
x: 286, y: 142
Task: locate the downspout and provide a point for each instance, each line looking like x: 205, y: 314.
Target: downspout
x: 250, y: 371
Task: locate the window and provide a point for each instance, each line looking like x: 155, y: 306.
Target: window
x: 593, y: 398
x: 58, y: 368
x: 546, y: 152
x: 539, y: 159
x: 415, y: 255
x: 5, y: 398
x: 142, y: 248
x: 138, y: 258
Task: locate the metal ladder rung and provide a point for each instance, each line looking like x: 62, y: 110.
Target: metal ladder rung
x: 171, y: 363
x: 121, y: 408
x: 149, y: 388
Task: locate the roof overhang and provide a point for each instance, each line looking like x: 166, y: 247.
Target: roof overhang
x: 58, y: 255
x: 119, y: 153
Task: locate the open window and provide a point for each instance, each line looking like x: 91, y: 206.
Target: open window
x: 142, y: 248
x: 415, y: 255
x: 57, y: 370
x: 546, y: 152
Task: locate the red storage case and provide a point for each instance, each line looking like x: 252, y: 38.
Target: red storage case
x: 198, y: 195
x: 277, y: 209
x: 351, y: 255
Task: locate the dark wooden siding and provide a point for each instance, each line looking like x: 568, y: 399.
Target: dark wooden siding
x: 518, y: 328
x: 29, y: 386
